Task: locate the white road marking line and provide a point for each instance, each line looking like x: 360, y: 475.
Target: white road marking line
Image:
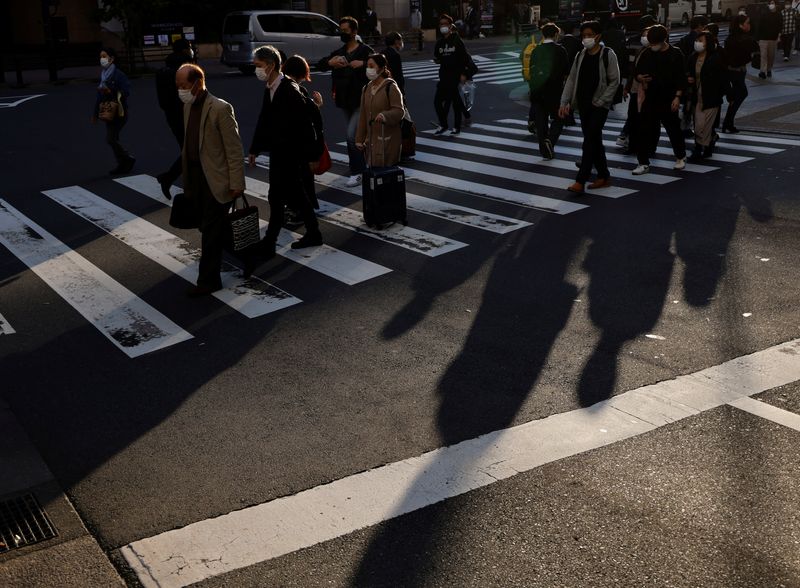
x: 561, y: 150
x: 534, y: 201
x: 135, y: 327
x: 566, y: 136
x: 769, y: 412
x: 409, y: 238
x: 17, y: 100
x: 513, y: 174
x: 735, y: 137
x: 5, y: 326
x: 252, y: 297
x: 516, y: 80
x: 510, y: 54
x: 215, y: 546
x: 456, y: 213
x: 324, y: 259
x: 532, y: 159
x: 723, y: 144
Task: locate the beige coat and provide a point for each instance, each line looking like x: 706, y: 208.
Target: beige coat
x: 374, y: 101
x: 221, y: 153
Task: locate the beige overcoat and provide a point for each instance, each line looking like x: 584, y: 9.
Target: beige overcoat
x: 381, y: 96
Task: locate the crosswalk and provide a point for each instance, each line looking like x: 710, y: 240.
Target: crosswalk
x: 489, y: 180
x: 502, y: 68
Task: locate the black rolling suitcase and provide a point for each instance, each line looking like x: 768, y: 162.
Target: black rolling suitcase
x: 383, y: 192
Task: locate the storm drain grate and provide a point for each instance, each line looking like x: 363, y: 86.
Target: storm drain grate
x: 23, y: 522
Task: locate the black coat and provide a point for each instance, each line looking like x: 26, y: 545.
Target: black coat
x: 285, y: 128
x: 395, y: 63
x: 348, y: 82
x: 739, y: 49
x: 713, y: 80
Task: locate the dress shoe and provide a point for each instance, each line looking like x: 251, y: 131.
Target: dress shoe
x: 165, y: 184
x: 600, y: 183
x: 576, y: 188
x: 308, y: 241
x: 200, y: 291
x: 261, y: 254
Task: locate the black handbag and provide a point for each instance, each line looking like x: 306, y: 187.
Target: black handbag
x: 244, y: 226
x: 185, y: 213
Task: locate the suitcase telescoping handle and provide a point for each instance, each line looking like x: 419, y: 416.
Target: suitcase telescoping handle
x: 383, y: 141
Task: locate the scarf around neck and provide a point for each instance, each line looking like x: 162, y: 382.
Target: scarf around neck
x: 107, y: 74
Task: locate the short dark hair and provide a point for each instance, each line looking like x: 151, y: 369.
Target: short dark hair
x: 269, y: 54
x: 350, y: 21
x: 112, y: 53
x: 550, y: 30
x: 445, y: 16
x: 698, y: 20
x: 713, y: 28
x: 657, y: 34
x: 194, y: 73
x: 647, y: 21
x: 711, y: 40
x: 296, y: 67
x: 593, y: 25
x: 392, y: 38
x: 381, y: 62
x: 181, y: 45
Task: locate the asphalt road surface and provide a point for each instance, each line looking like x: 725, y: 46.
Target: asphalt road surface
x: 505, y: 301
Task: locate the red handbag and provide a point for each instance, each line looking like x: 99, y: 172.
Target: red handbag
x: 324, y: 161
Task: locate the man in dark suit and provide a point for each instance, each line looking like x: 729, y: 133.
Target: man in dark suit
x: 394, y: 45
x: 286, y: 131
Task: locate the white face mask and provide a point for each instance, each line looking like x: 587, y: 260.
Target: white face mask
x: 105, y: 62
x: 589, y: 43
x: 644, y: 42
x: 372, y: 73
x: 444, y: 30
x: 262, y: 74
x: 656, y: 47
x: 186, y: 96
x: 742, y: 13
x: 772, y: 7
x: 699, y: 47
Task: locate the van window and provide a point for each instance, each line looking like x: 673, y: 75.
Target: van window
x: 297, y: 24
x: 322, y: 26
x: 272, y: 23
x: 237, y: 24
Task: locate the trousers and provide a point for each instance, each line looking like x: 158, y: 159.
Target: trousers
x: 215, y: 230
x: 736, y: 96
x: 113, y: 130
x: 593, y: 154
x: 447, y: 95
x: 767, y: 49
x: 287, y: 186
x: 653, y: 116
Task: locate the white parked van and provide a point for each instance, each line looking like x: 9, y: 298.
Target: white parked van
x: 681, y: 11
x: 309, y: 34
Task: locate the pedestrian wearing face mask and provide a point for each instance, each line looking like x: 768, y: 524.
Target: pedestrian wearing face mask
x: 348, y: 66
x: 708, y: 77
x: 455, y: 66
x: 112, y: 98
x: 590, y: 89
x: 661, y: 71
x: 739, y: 49
x: 768, y: 32
x: 285, y: 130
x: 394, y: 46
x: 630, y: 131
x: 379, y: 133
x: 213, y: 170
x: 789, y: 18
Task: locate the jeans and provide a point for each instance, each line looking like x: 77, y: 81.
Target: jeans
x: 354, y: 154
x: 446, y: 94
x: 736, y: 96
x: 113, y: 129
x: 767, y: 49
x: 593, y: 119
x: 653, y: 115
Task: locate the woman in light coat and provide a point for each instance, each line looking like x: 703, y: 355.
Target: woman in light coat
x: 379, y: 132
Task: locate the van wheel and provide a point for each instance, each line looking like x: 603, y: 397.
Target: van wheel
x: 247, y: 70
x: 685, y: 20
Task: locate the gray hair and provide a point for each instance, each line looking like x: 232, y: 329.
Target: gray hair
x: 268, y: 54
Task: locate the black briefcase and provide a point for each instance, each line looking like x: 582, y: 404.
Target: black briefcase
x: 185, y: 213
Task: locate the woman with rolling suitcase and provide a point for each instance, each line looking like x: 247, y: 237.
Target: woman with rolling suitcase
x: 382, y: 104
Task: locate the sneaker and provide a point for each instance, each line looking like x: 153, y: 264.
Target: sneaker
x: 353, y: 181
x: 455, y: 131
x: 440, y: 131
x: 680, y: 163
x: 762, y: 75
x: 640, y: 170
x: 622, y: 141
x: 547, y: 149
x: 786, y: 59
x: 532, y: 127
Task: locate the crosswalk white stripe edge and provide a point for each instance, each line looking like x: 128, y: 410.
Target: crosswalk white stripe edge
x: 5, y: 326
x: 769, y: 412
x: 132, y: 325
x: 216, y: 546
x: 252, y: 297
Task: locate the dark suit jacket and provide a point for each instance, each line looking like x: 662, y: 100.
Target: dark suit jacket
x: 284, y: 127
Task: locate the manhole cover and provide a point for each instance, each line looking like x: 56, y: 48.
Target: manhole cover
x: 23, y: 522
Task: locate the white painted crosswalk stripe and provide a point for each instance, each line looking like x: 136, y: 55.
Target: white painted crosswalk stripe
x: 561, y: 150
x: 132, y: 325
x: 456, y: 213
x: 527, y: 157
x: 250, y: 296
x: 402, y: 236
x: 543, y: 203
x: 566, y: 136
x: 5, y: 326
x: 324, y: 259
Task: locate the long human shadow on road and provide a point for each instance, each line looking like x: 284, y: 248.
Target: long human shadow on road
x: 527, y: 301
